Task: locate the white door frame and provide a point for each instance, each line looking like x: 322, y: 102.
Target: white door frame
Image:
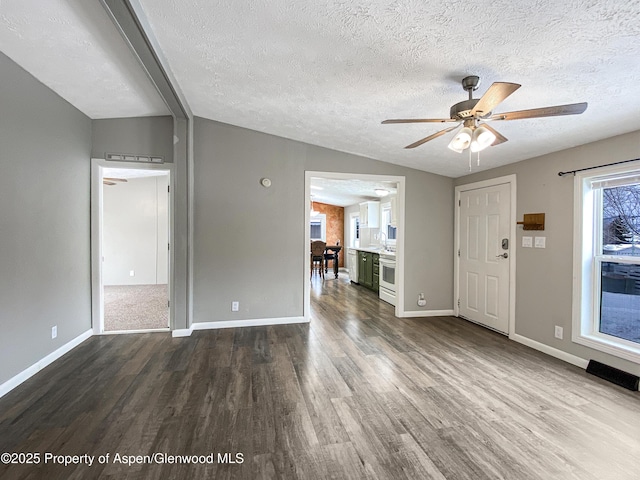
x: 511, y: 180
x: 97, y: 294
x: 400, y: 180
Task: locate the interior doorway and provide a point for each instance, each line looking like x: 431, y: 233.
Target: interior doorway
x: 130, y: 247
x: 349, y: 192
x: 485, y: 262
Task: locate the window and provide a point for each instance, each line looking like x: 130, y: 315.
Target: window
x: 607, y: 261
x: 355, y: 229
x: 389, y: 230
x: 318, y: 228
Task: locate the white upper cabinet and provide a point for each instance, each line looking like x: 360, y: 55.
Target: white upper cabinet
x: 370, y: 214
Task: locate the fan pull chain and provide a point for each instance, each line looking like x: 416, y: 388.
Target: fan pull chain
x: 477, y: 159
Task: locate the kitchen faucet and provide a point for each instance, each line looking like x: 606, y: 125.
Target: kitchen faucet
x: 385, y: 239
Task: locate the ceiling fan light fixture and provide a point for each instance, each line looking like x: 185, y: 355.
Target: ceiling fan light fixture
x: 381, y: 192
x: 482, y: 138
x: 462, y: 140
x: 451, y: 147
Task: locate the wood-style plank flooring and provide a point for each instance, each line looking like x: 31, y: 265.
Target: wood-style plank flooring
x: 355, y: 394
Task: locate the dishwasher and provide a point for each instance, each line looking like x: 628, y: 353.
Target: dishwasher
x: 352, y: 264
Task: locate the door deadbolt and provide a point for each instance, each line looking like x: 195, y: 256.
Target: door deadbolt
x: 505, y: 244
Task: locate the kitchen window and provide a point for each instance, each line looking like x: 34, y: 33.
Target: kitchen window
x: 388, y: 229
x: 607, y: 261
x: 355, y: 229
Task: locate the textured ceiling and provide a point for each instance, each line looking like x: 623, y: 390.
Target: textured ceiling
x: 73, y: 47
x: 345, y: 192
x: 328, y: 72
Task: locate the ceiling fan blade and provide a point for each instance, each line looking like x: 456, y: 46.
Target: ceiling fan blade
x: 109, y: 179
x: 104, y: 182
x: 497, y: 92
x: 499, y: 137
x: 431, y: 137
x: 555, y: 111
x: 420, y: 120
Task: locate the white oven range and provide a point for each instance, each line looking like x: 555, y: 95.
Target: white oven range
x: 387, y: 291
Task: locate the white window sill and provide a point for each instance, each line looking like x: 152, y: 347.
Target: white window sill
x: 612, y: 345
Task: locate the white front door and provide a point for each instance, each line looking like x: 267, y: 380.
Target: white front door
x: 485, y: 256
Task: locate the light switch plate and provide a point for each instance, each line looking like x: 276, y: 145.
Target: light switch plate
x: 540, y: 242
x: 527, y: 242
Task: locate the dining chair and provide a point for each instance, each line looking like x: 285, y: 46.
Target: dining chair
x: 317, y: 256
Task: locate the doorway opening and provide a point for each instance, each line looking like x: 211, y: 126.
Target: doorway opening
x: 364, y: 217
x: 131, y: 231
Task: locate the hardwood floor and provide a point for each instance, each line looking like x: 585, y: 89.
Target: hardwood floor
x: 356, y: 394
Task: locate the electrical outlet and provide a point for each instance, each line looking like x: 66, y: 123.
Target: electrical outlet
x: 235, y: 306
x: 421, y: 300
x: 132, y: 273
x: 559, y: 332
x: 54, y: 331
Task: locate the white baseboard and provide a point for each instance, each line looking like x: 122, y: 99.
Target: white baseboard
x: 254, y: 322
x: 127, y: 332
x: 554, y: 352
x: 12, y: 383
x: 427, y: 313
x: 182, y: 332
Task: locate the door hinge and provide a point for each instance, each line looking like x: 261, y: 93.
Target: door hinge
x: 458, y: 303
x: 168, y: 246
x: 458, y: 252
x: 459, y: 203
x: 168, y: 189
x: 168, y: 303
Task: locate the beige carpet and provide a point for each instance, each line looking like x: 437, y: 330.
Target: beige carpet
x: 135, y: 307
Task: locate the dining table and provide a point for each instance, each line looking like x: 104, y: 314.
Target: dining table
x: 331, y: 252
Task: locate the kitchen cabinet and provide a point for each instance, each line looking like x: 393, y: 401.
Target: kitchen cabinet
x: 394, y: 211
x: 369, y: 270
x: 375, y: 278
x: 370, y: 214
x: 365, y: 269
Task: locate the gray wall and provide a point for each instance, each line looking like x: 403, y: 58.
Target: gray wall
x: 135, y: 231
x: 248, y: 239
x: 139, y: 136
x: 544, y: 276
x: 45, y: 146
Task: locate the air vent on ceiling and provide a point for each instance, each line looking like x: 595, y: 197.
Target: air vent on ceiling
x: 125, y: 157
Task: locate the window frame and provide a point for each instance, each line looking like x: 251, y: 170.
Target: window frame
x: 354, y: 229
x: 587, y: 262
x: 323, y: 226
x: 386, y: 223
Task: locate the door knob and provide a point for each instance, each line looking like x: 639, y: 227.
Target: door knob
x: 504, y: 255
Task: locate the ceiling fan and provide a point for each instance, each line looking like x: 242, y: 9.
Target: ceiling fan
x: 112, y: 181
x: 473, y: 114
